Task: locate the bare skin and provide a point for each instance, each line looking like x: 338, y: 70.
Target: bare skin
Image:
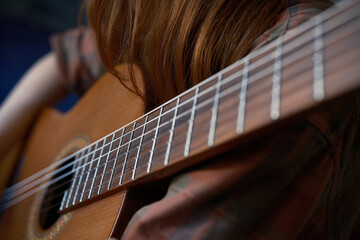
x: 39, y: 87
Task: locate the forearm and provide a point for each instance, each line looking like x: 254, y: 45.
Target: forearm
x: 39, y: 87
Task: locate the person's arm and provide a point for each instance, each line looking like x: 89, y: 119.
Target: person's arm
x: 40, y: 86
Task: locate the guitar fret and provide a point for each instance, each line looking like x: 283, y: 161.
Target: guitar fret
x: 276, y: 88
x: 211, y: 137
x: 139, y: 148
x: 171, y: 135
x: 127, y: 154
x: 81, y: 175
x: 154, y: 141
x: 242, y: 98
x: 191, y: 124
x: 75, y: 166
x: 116, y: 158
x: 88, y: 173
x: 63, y: 200
x: 106, y: 163
x: 318, y: 71
x: 96, y: 168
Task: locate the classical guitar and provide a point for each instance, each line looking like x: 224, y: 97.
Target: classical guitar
x: 79, y: 168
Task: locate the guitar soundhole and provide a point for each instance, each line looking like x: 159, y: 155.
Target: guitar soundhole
x: 54, y: 195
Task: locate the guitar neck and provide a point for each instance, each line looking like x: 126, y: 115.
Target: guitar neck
x: 306, y: 67
x: 313, y: 64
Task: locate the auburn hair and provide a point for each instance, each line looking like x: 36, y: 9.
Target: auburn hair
x: 177, y: 43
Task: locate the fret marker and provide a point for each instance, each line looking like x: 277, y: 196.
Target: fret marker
x: 242, y: 98
x: 214, y: 113
x: 171, y: 134
x: 318, y: 71
x: 276, y: 88
x: 191, y: 124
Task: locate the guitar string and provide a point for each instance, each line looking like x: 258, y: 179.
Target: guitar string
x: 326, y: 15
x: 105, y: 183
x: 129, y: 172
x: 97, y: 158
x: 114, y: 179
x: 303, y: 27
x: 254, y: 67
x: 105, y: 173
x: 101, y: 140
x: 108, y: 181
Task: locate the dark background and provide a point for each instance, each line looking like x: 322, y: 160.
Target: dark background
x: 25, y: 27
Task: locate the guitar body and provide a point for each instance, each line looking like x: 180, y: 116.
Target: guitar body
x: 227, y: 109
x: 102, y: 110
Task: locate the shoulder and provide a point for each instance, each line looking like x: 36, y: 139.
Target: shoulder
x: 298, y: 12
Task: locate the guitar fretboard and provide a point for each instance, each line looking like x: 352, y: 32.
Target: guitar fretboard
x: 315, y: 63
x: 318, y: 61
